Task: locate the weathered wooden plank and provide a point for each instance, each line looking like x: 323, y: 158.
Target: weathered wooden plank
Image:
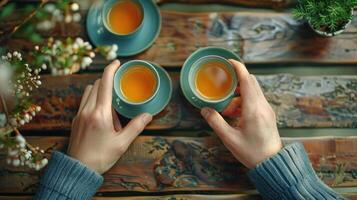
x: 166, y: 197
x: 164, y: 164
x: 259, y: 37
x: 318, y: 101
x: 256, y: 3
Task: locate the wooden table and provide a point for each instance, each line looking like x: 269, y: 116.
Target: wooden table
x: 178, y: 157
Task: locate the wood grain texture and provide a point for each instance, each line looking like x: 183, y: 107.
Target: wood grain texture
x: 162, y: 164
x: 259, y: 37
x: 256, y: 3
x: 329, y: 101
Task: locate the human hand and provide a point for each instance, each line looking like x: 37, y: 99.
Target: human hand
x: 97, y: 138
x: 256, y: 137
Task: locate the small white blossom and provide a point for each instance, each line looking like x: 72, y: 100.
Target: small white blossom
x: 111, y: 55
x: 76, y: 17
x: 74, y: 7
x: 66, y: 71
x: 38, y: 108
x: 92, y: 54
x: 49, y: 7
x: 114, y: 47
x: 16, y: 162
x: 68, y: 19
x: 44, y: 66
x: 86, y: 61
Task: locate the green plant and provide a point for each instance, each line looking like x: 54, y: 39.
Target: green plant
x: 325, y: 15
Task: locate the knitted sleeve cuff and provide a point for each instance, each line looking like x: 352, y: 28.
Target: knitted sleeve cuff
x: 289, y: 175
x: 68, y: 178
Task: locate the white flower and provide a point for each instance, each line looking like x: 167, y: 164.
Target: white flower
x: 86, y: 61
x: 114, y: 47
x: 66, y: 71
x: 92, y: 54
x: 49, y: 7
x: 79, y: 41
x: 22, y: 122
x: 111, y: 55
x: 44, y: 162
x: 38, y: 108
x: 20, y: 139
x: 76, y: 17
x: 37, y: 48
x: 74, y: 7
x: 68, y: 19
x: 5, y: 76
x: 75, y: 46
x: 44, y: 66
x: 16, y: 162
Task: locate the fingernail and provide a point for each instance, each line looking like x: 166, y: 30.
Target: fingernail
x: 146, y: 117
x: 205, y: 112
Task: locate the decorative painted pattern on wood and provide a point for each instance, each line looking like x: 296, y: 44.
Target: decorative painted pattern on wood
x: 259, y: 37
x: 162, y: 164
x: 317, y: 101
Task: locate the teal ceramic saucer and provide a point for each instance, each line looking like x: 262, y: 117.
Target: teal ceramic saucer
x: 184, y: 76
x: 154, y: 106
x: 128, y: 46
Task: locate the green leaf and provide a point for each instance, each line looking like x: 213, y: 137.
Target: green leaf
x: 35, y: 38
x: 7, y: 10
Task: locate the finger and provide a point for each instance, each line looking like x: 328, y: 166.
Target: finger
x: 135, y: 127
x: 257, y: 86
x: 233, y: 106
x: 85, y: 97
x: 217, y: 123
x: 245, y: 82
x: 116, y: 121
x: 106, y: 87
x: 92, y: 98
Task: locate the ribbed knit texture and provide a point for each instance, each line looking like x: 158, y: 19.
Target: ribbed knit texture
x: 67, y: 178
x: 289, y: 175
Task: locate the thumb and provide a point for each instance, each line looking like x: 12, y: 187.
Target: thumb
x: 136, y: 126
x: 216, y: 122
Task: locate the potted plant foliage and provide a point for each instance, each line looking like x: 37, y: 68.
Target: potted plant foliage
x: 326, y: 17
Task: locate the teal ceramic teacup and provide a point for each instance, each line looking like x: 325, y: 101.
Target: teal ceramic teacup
x: 107, y: 8
x: 223, y: 77
x: 136, y: 82
x: 150, y: 88
x: 189, y: 73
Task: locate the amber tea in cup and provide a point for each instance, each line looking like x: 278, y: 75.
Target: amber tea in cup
x: 138, y: 84
x: 212, y: 79
x: 125, y: 17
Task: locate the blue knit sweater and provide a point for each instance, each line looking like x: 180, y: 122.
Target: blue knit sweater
x: 287, y: 175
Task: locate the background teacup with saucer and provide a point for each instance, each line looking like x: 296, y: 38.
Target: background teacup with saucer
x: 145, y: 25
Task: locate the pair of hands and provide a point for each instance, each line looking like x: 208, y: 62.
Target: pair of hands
x: 98, y: 140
